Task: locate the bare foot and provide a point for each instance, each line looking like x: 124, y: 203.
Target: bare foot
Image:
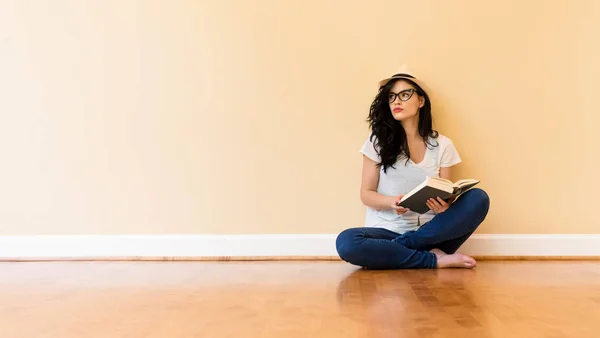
x: 456, y: 260
x: 438, y: 253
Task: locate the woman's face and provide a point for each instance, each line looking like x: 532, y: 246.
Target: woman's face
x: 404, y: 101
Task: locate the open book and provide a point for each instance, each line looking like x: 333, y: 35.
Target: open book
x: 433, y: 187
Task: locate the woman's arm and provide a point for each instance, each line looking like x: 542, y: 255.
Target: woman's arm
x: 440, y: 205
x: 368, y: 189
x: 446, y: 172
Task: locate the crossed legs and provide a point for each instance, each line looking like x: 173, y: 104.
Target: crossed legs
x: 433, y: 245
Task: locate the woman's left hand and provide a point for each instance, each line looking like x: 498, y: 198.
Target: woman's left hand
x: 438, y: 206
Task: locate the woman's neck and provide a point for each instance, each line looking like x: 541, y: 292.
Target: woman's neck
x: 411, y: 128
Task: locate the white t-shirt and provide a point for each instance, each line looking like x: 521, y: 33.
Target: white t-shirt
x: 406, y: 176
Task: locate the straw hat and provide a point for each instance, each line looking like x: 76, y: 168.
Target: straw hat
x: 404, y: 73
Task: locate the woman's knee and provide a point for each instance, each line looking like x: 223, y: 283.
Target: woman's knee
x: 346, y: 243
x: 479, y: 199
x: 477, y: 205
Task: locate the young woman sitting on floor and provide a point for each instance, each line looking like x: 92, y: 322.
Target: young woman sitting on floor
x: 402, y: 150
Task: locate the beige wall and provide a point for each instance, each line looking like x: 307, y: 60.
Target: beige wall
x: 236, y: 117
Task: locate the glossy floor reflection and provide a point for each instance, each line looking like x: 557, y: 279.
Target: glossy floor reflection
x: 297, y: 299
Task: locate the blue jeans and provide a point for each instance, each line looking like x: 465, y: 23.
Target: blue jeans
x: 378, y: 248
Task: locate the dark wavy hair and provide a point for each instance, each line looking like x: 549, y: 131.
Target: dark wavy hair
x: 387, y: 133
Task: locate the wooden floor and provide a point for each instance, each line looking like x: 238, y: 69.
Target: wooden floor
x: 297, y: 299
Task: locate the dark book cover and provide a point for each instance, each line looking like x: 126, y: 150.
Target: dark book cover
x: 418, y: 201
x: 462, y: 189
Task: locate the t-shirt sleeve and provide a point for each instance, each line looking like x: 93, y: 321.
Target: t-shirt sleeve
x: 368, y: 149
x: 450, y: 155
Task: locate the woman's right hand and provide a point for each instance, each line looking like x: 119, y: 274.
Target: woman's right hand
x: 398, y: 209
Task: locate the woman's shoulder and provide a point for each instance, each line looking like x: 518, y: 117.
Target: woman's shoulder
x: 370, y: 148
x: 446, y: 152
x: 441, y: 140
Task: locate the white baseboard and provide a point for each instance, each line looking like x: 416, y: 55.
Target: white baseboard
x: 186, y: 246
x: 524, y: 245
x: 257, y: 246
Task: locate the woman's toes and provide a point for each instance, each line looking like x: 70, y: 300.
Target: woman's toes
x: 456, y: 260
x: 469, y: 260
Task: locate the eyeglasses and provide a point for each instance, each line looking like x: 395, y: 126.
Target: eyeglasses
x: 404, y: 95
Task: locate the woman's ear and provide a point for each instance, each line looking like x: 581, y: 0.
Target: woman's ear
x: 421, y: 101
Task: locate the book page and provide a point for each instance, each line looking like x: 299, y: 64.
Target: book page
x: 441, y: 180
x: 464, y: 182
